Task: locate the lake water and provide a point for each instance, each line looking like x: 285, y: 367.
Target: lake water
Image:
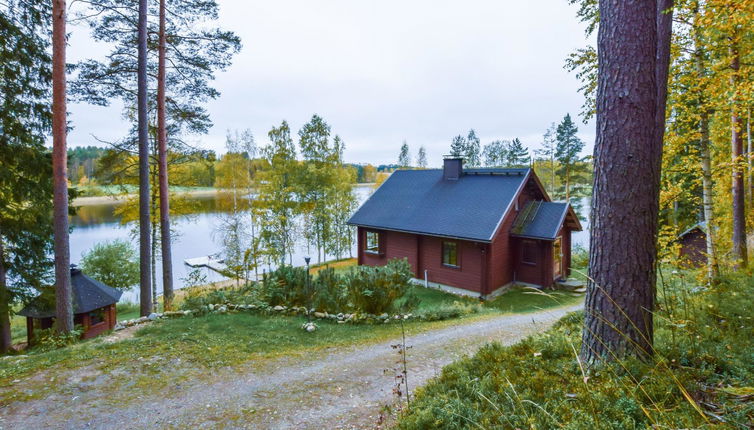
x: 195, y: 235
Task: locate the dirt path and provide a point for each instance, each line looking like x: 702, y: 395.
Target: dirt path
x: 346, y: 388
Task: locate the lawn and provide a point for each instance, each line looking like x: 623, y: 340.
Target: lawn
x: 169, y: 351
x: 521, y: 300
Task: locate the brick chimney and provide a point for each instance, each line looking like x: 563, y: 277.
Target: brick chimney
x: 452, y: 168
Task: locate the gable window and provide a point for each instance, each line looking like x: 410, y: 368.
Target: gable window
x: 529, y: 252
x: 372, y: 244
x: 450, y: 254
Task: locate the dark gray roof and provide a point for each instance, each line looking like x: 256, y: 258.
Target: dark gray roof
x: 88, y: 295
x: 701, y: 226
x: 420, y: 201
x: 540, y: 220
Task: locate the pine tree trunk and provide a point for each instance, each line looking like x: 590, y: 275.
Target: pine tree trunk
x: 145, y: 284
x: 633, y: 49
x: 162, y: 143
x: 63, y: 306
x: 737, y: 185
x: 5, y: 334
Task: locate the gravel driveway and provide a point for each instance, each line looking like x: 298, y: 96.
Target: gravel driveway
x: 344, y: 388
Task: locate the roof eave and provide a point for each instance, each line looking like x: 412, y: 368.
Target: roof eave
x: 422, y: 233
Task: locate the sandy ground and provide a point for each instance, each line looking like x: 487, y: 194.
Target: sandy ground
x: 336, y: 388
x: 104, y: 200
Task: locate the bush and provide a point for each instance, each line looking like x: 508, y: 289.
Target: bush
x: 374, y: 289
x: 49, y: 339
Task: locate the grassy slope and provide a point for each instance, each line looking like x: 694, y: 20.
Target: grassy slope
x: 204, y: 343
x: 702, y: 375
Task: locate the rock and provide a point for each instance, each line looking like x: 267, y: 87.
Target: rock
x: 341, y: 322
x: 211, y: 307
x: 187, y: 312
x: 384, y: 316
x: 319, y: 315
x: 340, y: 317
x: 278, y: 308
x: 141, y: 320
x: 309, y: 327
x: 153, y: 316
x: 222, y: 309
x: 118, y: 327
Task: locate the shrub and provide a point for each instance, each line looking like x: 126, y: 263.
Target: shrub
x: 374, y: 289
x: 49, y: 339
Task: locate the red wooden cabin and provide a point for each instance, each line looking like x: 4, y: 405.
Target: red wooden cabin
x: 477, y: 231
x: 93, y: 307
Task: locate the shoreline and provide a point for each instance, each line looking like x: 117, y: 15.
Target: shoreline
x: 119, y: 198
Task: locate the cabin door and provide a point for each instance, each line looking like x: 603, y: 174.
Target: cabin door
x: 557, y: 258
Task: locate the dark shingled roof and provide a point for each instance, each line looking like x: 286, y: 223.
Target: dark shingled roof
x: 540, y: 220
x: 420, y: 201
x: 88, y: 295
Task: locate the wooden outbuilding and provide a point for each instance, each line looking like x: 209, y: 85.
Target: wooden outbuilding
x: 93, y: 307
x: 693, y: 243
x: 475, y: 231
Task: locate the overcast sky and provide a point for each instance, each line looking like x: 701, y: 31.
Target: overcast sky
x: 383, y: 72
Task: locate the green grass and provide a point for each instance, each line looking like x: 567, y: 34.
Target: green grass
x: 702, y: 375
x: 521, y: 300
x: 192, y: 346
x: 127, y: 311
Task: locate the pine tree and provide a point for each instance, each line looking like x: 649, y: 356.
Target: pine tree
x: 517, y: 155
x: 634, y: 50
x: 567, y: 153
x: 26, y: 173
x: 458, y: 146
x: 63, y: 294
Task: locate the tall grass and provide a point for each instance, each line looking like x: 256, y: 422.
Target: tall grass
x: 700, y: 375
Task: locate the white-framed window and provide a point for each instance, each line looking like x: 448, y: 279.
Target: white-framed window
x: 372, y: 243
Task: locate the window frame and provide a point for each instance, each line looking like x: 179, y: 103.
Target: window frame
x: 374, y: 250
x: 457, y: 254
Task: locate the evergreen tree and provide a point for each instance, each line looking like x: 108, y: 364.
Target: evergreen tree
x: 404, y: 158
x: 458, y: 146
x: 517, y: 155
x: 421, y: 158
x: 567, y: 152
x: 26, y: 173
x: 63, y: 294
